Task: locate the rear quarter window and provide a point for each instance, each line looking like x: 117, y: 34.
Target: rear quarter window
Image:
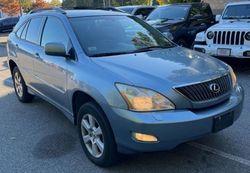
x: 20, y: 30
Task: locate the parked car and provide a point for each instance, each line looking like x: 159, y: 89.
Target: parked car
x: 183, y: 21
x: 139, y: 11
x: 133, y: 91
x: 8, y: 23
x: 231, y: 36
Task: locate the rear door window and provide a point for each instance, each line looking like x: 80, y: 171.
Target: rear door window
x: 33, y: 32
x: 23, y: 36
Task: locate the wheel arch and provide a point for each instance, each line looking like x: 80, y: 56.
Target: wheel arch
x: 12, y: 65
x: 78, y: 99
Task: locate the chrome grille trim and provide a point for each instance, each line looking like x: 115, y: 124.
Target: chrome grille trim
x: 229, y: 37
x: 200, y: 92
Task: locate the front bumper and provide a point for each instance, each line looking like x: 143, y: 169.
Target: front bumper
x: 237, y: 51
x: 170, y: 127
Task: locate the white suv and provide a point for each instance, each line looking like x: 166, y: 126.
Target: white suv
x: 231, y: 36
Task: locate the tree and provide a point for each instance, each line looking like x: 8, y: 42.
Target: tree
x: 68, y: 4
x: 55, y: 3
x: 26, y: 5
x: 40, y: 4
x: 10, y: 7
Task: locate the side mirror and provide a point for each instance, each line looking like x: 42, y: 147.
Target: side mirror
x: 55, y: 49
x: 217, y: 18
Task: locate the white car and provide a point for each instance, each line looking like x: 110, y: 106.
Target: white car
x: 231, y: 36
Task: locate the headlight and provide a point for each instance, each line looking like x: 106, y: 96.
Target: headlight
x: 247, y: 36
x: 140, y: 99
x: 210, y: 35
x: 233, y: 76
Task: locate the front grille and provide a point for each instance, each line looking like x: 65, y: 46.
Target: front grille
x: 229, y: 37
x: 202, y: 92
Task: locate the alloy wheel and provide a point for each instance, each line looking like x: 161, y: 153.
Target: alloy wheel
x: 18, y: 84
x: 92, y: 135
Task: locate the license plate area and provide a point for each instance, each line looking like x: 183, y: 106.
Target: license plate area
x: 223, y: 52
x: 223, y: 121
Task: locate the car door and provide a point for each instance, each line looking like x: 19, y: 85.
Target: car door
x: 51, y: 71
x: 26, y: 46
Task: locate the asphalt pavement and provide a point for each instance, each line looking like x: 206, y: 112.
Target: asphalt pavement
x: 37, y: 137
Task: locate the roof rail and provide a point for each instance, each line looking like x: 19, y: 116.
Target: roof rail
x: 97, y: 8
x: 55, y: 9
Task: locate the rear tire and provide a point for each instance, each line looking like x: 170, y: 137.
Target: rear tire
x: 96, y: 135
x: 20, y: 87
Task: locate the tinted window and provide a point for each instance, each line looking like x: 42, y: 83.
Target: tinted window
x: 237, y: 12
x: 206, y: 11
x: 144, y: 12
x: 23, y: 36
x: 169, y: 12
x: 34, y: 30
x: 20, y: 30
x: 195, y: 11
x: 111, y: 35
x: 128, y: 10
x: 54, y: 31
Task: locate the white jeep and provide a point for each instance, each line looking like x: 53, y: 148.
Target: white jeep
x: 231, y: 36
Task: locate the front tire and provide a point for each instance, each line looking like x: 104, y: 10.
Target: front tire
x: 20, y: 87
x: 96, y: 136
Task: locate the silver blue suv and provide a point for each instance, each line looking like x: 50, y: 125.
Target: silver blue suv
x: 126, y: 86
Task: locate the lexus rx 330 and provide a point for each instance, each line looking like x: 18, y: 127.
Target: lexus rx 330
x: 126, y: 86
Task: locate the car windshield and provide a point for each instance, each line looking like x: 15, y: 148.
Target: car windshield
x: 237, y: 12
x: 128, y: 10
x: 169, y: 12
x: 113, y: 35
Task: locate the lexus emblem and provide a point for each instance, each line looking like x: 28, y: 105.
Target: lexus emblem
x: 214, y: 87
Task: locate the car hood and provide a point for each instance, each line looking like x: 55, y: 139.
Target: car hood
x: 174, y: 66
x: 231, y: 25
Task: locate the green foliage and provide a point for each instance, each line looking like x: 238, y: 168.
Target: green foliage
x: 68, y: 4
x: 26, y: 5
x: 55, y: 3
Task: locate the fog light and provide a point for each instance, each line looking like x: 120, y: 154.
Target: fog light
x: 247, y: 53
x: 144, y: 137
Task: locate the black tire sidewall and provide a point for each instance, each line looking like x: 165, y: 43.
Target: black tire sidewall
x: 109, y: 156
x: 26, y: 97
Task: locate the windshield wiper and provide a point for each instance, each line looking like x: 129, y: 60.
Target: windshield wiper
x: 144, y: 49
x: 109, y: 54
x: 150, y: 48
